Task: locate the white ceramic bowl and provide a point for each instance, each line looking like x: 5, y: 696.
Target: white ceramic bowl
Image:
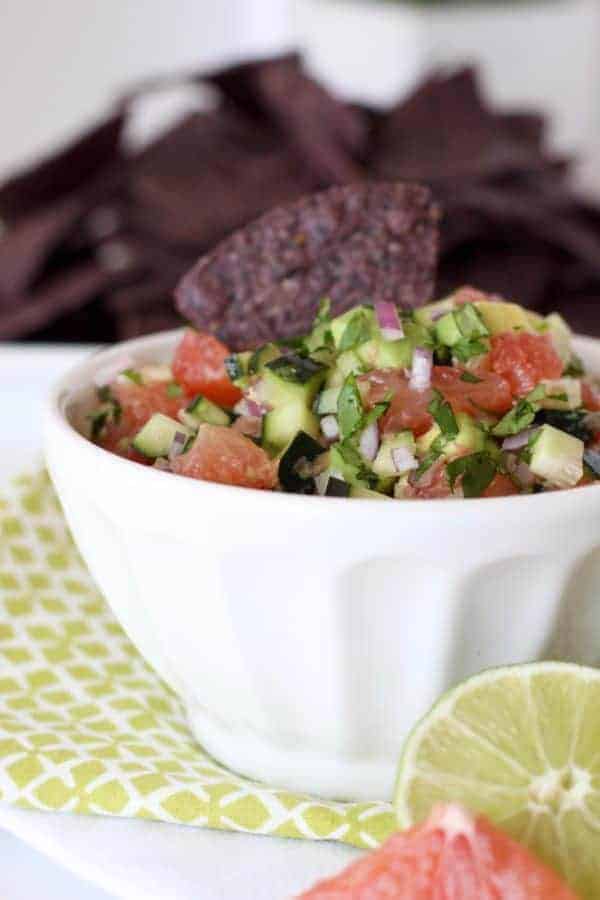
x: 306, y: 635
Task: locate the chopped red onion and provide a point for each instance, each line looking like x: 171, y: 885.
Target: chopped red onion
x: 524, y: 475
x: 178, y: 444
x: 369, y: 442
x: 112, y: 370
x: 389, y: 320
x: 404, y: 460
x: 438, y: 314
x: 162, y: 464
x: 248, y: 407
x: 516, y: 441
x: 330, y: 427
x: 420, y: 373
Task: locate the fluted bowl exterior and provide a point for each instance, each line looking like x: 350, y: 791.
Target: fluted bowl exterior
x: 306, y: 635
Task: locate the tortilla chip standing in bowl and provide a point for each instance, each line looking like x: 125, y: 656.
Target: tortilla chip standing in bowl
x: 358, y: 243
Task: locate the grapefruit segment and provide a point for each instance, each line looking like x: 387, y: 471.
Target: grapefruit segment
x: 454, y: 855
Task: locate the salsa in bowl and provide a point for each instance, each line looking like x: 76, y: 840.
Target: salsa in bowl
x: 468, y: 396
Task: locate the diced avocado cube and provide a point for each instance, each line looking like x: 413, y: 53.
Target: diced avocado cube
x: 157, y: 435
x: 428, y: 314
x: 499, y: 316
x: 281, y: 424
x: 557, y: 457
x: 326, y: 402
x: 561, y: 393
x: 201, y: 409
x: 447, y: 330
x: 383, y: 464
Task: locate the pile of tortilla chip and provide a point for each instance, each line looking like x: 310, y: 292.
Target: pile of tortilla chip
x: 94, y: 239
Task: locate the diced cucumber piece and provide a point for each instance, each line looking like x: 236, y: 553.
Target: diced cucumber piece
x: 201, y: 409
x: 157, y: 435
x: 470, y: 437
x: 383, y: 464
x: 447, y: 330
x: 281, y: 424
x: 557, y: 457
x: 236, y: 367
x: 265, y: 354
x: 381, y: 354
x: 339, y: 325
x: 561, y: 393
x: 326, y: 402
x: 464, y: 323
x: 499, y: 316
x: 428, y: 314
x: 291, y: 379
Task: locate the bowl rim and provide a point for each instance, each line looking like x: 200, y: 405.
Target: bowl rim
x: 57, y: 421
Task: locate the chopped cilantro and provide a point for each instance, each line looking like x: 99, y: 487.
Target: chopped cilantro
x: 349, y: 408
x: 323, y: 313
x: 470, y: 378
x: 521, y: 416
x: 467, y: 348
x: 133, y: 375
x: 442, y: 413
x: 295, y: 368
x: 174, y: 390
x: 477, y: 470
x: 575, y: 367
x: 356, y: 332
x: 378, y: 410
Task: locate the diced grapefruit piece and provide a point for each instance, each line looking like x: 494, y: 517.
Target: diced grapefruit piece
x: 228, y: 457
x: 524, y: 359
x: 199, y: 365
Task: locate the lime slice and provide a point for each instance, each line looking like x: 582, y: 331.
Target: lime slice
x: 520, y: 744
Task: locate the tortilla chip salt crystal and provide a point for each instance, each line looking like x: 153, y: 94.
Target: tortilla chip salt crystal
x: 371, y: 240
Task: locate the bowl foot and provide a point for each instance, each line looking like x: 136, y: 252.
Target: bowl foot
x: 290, y: 768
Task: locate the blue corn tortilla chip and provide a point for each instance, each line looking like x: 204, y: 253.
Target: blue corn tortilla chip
x: 364, y: 242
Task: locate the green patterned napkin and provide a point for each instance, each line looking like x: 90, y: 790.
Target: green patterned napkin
x: 86, y: 726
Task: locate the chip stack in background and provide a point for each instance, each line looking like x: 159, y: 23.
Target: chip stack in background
x: 95, y: 238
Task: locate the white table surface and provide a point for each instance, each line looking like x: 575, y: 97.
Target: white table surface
x: 47, y: 856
